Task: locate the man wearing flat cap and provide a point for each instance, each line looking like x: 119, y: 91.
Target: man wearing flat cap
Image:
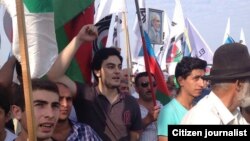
x: 230, y: 81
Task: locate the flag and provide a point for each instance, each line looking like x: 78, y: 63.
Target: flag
x: 199, y: 47
x: 103, y: 17
x: 155, y: 69
x: 117, y: 30
x: 103, y: 31
x: 5, y: 35
x: 70, y: 16
x: 242, y: 37
x: 174, y: 52
x: 137, y: 54
x: 40, y: 31
x: 175, y: 49
x: 107, y: 7
x: 166, y: 40
x: 227, y: 38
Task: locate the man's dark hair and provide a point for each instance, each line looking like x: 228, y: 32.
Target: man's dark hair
x: 139, y: 75
x: 37, y: 84
x: 102, y: 55
x: 4, y: 100
x: 187, y: 64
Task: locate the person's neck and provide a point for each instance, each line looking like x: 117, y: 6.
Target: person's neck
x: 23, y: 136
x: 62, y: 130
x: 110, y: 93
x: 228, y: 100
x: 146, y: 104
x: 185, y: 99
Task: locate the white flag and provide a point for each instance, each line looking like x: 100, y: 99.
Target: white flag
x: 199, y: 47
x: 227, y: 38
x: 242, y: 37
x: 107, y: 7
x: 41, y: 38
x: 136, y: 57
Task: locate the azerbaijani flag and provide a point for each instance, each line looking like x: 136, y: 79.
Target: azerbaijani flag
x: 70, y: 16
x: 154, y: 68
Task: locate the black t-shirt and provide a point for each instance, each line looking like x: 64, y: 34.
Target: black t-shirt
x: 111, y: 122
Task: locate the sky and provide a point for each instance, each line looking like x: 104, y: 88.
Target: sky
x: 208, y: 16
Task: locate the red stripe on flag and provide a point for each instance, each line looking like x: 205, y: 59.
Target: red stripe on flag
x: 84, y: 53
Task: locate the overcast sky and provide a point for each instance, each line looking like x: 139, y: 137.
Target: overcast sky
x: 208, y: 16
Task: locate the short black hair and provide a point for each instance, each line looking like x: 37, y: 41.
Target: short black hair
x: 187, y: 64
x: 101, y: 55
x: 141, y: 74
x: 37, y: 84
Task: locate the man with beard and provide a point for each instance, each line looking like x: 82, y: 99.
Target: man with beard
x: 66, y: 129
x: 188, y: 73
x: 230, y: 82
x: 155, y: 28
x: 149, y: 111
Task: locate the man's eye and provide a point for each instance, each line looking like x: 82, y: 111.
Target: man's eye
x: 110, y: 67
x: 39, y: 105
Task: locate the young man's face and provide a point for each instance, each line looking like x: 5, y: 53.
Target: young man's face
x: 193, y: 84
x: 110, y: 72
x: 143, y: 88
x: 46, y: 111
x: 65, y: 98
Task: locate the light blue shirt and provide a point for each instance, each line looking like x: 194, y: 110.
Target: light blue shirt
x: 171, y: 114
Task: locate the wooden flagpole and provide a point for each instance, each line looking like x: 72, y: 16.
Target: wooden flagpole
x: 128, y: 50
x: 145, y: 52
x: 25, y: 71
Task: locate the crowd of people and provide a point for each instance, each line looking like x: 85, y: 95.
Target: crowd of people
x: 109, y: 111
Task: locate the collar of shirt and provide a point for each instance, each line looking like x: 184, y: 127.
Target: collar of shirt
x: 222, y: 111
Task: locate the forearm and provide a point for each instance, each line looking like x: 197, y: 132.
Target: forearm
x: 6, y: 72
x: 63, y: 60
x: 146, y: 121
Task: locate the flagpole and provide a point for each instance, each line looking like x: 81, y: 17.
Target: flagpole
x: 146, y: 56
x: 25, y: 71
x: 128, y: 50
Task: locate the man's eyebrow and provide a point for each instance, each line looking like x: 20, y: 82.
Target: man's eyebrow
x: 40, y: 101
x: 112, y: 64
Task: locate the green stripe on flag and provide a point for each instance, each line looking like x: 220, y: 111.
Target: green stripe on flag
x: 39, y: 6
x: 163, y: 98
x: 74, y: 7
x: 74, y: 70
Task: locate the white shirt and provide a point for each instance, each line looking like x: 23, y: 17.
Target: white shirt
x: 9, y: 136
x: 211, y: 110
x: 150, y: 132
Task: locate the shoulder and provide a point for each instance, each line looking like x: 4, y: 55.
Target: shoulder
x: 9, y: 136
x: 81, y: 127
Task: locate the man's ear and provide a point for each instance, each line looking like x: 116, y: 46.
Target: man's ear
x: 97, y: 73
x: 180, y: 81
x: 239, y: 84
x: 16, y: 111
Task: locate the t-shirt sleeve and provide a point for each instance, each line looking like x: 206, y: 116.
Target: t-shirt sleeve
x: 136, y: 117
